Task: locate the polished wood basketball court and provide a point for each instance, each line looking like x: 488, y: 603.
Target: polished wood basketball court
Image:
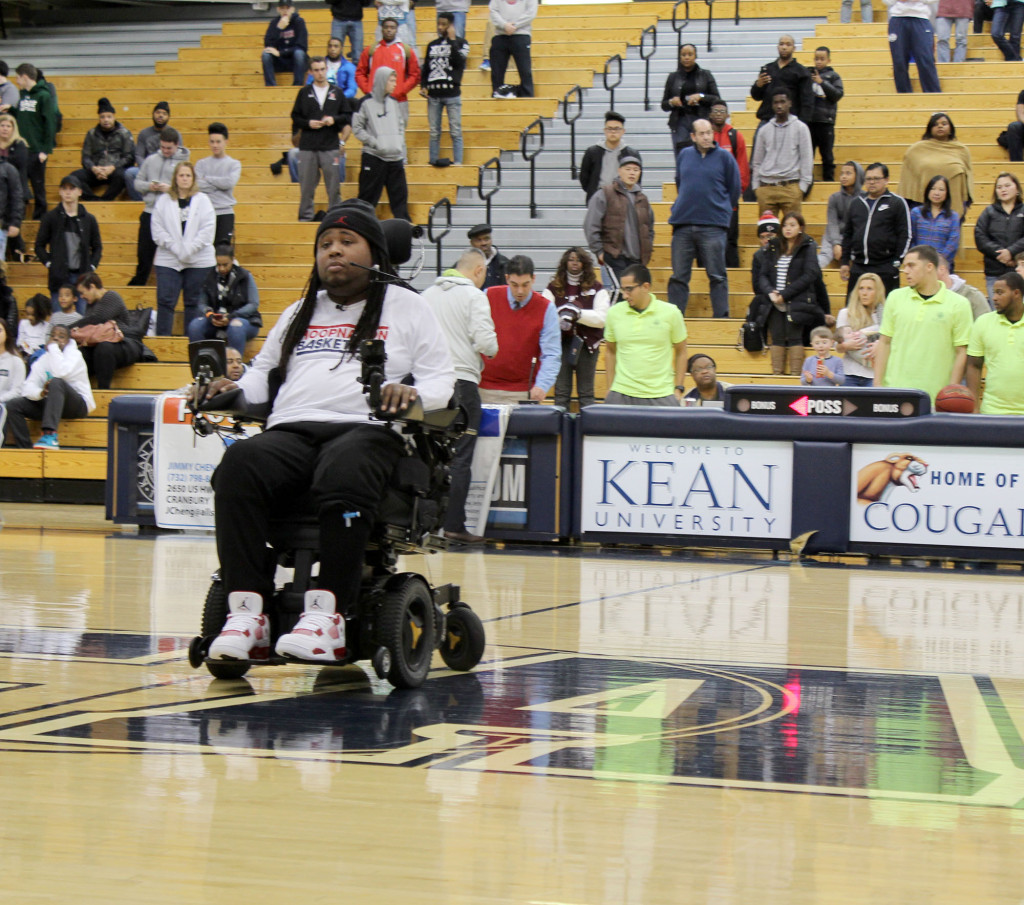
x: 644, y: 728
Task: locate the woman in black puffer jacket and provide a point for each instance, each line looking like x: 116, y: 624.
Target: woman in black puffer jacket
x: 788, y: 302
x: 999, y: 232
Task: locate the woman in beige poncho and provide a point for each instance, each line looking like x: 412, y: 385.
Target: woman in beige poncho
x: 938, y: 154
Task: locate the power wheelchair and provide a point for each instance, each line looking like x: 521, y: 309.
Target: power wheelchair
x: 399, y: 619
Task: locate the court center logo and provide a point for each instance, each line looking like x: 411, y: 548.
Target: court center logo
x: 586, y: 717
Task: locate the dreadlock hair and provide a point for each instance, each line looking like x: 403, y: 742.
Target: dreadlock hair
x: 561, y: 278
x: 369, y: 320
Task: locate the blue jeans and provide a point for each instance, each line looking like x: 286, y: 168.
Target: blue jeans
x: 910, y: 37
x: 238, y: 331
x: 710, y: 242
x: 460, y: 23
x: 944, y: 28
x: 295, y: 62
x: 434, y: 107
x: 129, y: 183
x: 354, y: 29
x: 1009, y: 18
x: 171, y: 283
x: 856, y: 380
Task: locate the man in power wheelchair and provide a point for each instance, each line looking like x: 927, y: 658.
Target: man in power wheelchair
x: 328, y: 445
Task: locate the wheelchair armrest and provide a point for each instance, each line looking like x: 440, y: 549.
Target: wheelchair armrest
x: 437, y: 419
x: 232, y: 403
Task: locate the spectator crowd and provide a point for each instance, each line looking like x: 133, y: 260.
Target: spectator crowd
x: 909, y: 319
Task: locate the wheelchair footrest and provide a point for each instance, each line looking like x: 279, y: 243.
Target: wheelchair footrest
x: 283, y: 661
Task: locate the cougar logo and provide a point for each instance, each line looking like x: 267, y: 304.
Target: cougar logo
x: 877, y: 480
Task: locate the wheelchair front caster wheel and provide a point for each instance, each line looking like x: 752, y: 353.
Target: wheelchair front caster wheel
x: 227, y: 669
x: 463, y: 643
x: 382, y: 662
x: 196, y: 652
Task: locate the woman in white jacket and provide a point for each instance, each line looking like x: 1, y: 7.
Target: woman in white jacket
x: 183, y: 226
x: 12, y: 374
x: 57, y: 387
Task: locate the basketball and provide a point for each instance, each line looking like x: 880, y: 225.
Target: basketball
x: 955, y: 398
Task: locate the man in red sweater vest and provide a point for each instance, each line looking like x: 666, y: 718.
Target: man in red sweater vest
x: 529, y: 340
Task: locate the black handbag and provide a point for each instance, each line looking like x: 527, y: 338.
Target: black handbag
x: 138, y: 322
x: 752, y: 337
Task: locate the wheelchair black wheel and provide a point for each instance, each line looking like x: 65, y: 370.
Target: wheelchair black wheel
x: 407, y: 630
x: 227, y: 669
x: 215, y: 610
x: 463, y: 643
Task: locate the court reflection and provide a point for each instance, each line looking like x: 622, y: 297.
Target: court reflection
x: 937, y: 622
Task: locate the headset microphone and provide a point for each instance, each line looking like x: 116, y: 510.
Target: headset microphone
x: 383, y: 277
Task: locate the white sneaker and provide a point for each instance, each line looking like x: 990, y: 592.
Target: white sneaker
x: 246, y: 634
x: 319, y: 634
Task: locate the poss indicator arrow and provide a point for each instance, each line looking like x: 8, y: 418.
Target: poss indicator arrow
x: 831, y: 402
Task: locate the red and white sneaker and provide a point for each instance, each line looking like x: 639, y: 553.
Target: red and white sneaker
x: 246, y: 634
x: 319, y: 634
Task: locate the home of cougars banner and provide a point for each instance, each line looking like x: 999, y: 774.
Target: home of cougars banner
x: 937, y: 495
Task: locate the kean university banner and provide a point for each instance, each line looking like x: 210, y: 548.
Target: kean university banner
x: 713, y: 488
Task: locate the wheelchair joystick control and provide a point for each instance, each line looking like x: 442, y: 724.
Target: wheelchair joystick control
x: 373, y: 356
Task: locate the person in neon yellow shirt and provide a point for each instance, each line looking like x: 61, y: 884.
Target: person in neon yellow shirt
x: 645, y: 345
x: 925, y: 328
x: 997, y: 342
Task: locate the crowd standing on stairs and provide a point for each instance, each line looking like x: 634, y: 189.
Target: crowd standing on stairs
x: 871, y: 233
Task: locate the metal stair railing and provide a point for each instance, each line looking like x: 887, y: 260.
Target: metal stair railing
x: 610, y: 88
x: 524, y: 139
x: 481, y: 178
x: 438, y: 237
x: 574, y: 96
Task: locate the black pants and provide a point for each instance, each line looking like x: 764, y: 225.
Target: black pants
x: 823, y: 137
x: 517, y: 47
x: 467, y: 394
x: 225, y: 234
x: 732, y: 241
x: 889, y: 275
x: 344, y: 467
x: 60, y: 401
x: 375, y: 175
x: 110, y: 187
x: 105, y: 358
x: 146, y: 250
x: 37, y: 179
x: 1015, y: 141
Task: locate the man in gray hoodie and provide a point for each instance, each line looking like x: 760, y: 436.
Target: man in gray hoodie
x: 153, y: 179
x: 217, y: 176
x: 378, y: 125
x: 465, y: 318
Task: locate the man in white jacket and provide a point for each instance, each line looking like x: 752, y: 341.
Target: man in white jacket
x: 465, y: 317
x: 57, y: 387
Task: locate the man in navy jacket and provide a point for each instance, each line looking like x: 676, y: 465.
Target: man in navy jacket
x: 708, y: 180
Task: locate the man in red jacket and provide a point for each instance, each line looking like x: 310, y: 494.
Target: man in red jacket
x: 732, y: 141
x: 529, y: 340
x: 395, y: 55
